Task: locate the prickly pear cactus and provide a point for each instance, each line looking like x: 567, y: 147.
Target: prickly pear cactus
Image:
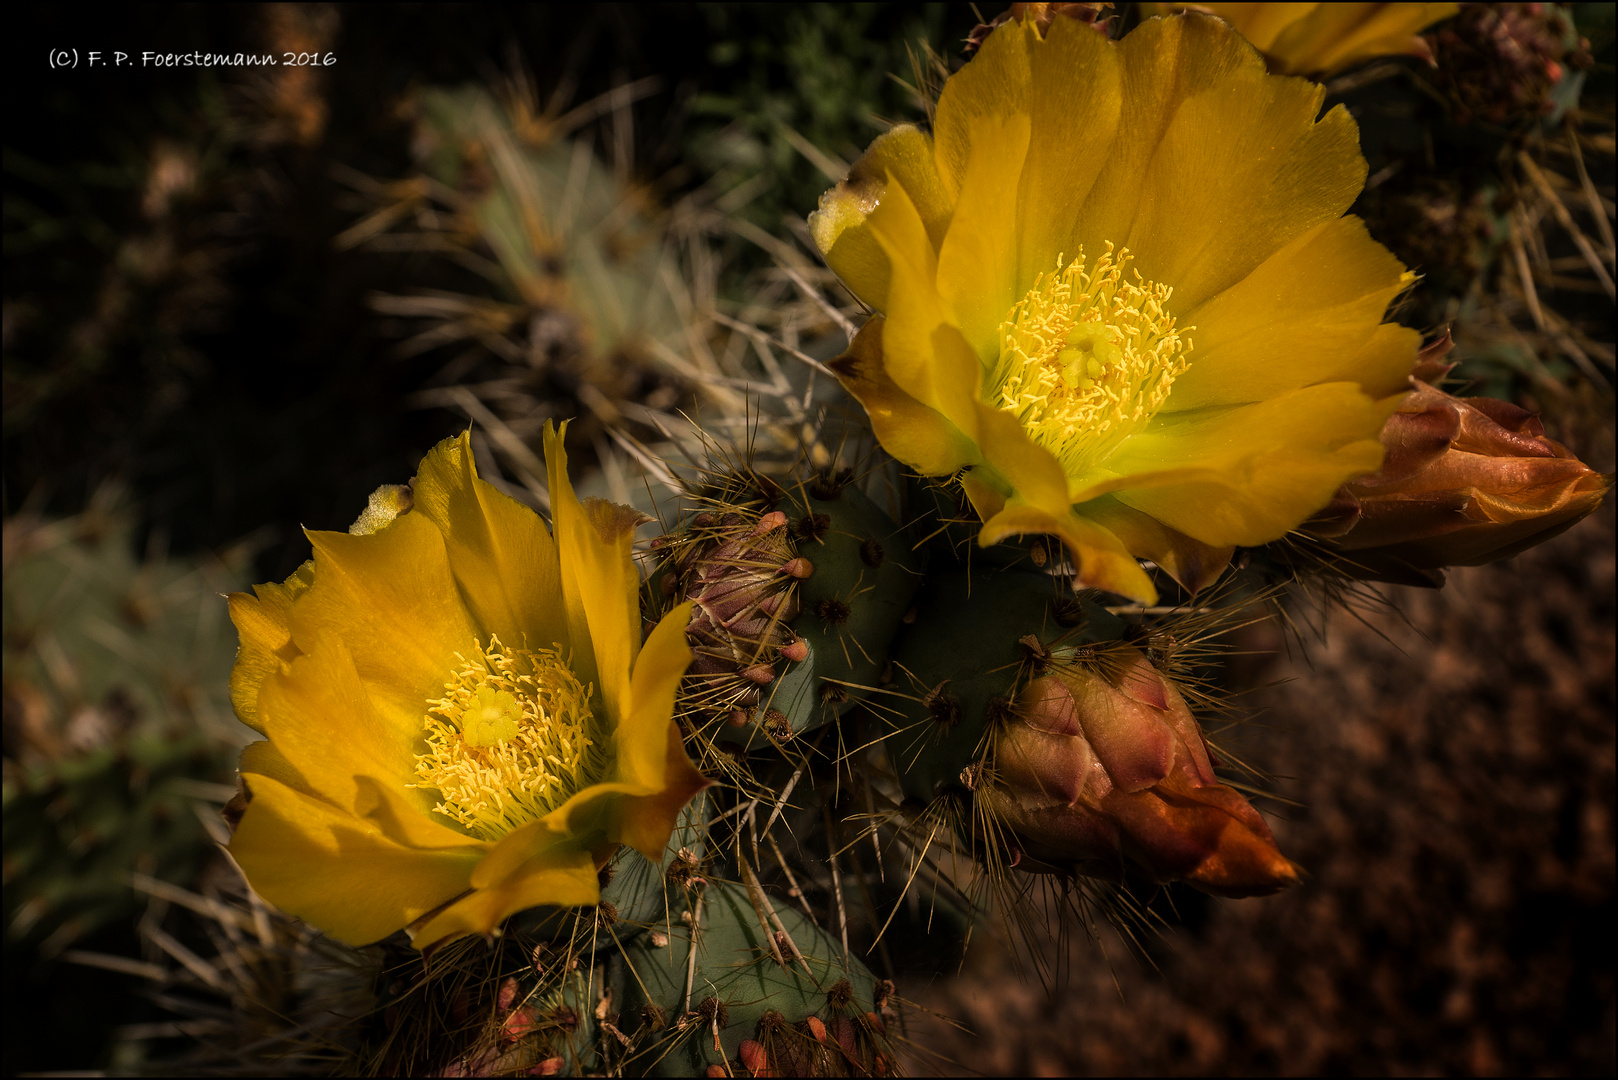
x: 977, y: 639
x: 734, y: 992
x: 798, y: 591
x: 590, y: 305
x: 913, y: 706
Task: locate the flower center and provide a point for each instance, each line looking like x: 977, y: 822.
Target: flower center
x: 1087, y: 358
x: 509, y: 741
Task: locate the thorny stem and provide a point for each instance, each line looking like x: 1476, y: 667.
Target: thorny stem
x: 691, y: 957
x: 781, y: 800
x: 793, y: 889
x: 755, y: 894
x: 870, y: 904
x: 775, y: 920
x: 836, y: 880
x: 876, y: 844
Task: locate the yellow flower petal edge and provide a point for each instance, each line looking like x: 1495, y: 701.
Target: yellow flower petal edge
x: 266, y: 639
x: 1323, y: 39
x: 1117, y: 295
x: 460, y: 648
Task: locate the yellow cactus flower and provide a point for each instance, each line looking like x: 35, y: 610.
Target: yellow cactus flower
x: 1117, y: 294
x: 460, y: 720
x: 1322, y: 39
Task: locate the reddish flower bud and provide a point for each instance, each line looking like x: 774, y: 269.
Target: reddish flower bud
x: 523, y: 1021
x: 740, y: 571
x: 1107, y: 765
x: 754, y: 1059
x: 1466, y: 481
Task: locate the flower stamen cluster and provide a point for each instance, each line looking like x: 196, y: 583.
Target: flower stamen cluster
x: 1087, y: 358
x: 509, y: 741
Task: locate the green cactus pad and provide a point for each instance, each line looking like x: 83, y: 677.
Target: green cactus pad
x: 837, y: 619
x: 962, y: 658
x: 640, y: 891
x: 951, y: 534
x: 851, y: 607
x: 739, y: 993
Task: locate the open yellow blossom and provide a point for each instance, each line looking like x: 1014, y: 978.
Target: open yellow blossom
x: 1118, y: 296
x: 460, y: 721
x: 1322, y: 39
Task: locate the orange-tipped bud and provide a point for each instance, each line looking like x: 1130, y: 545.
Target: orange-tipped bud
x: 1097, y: 767
x: 1466, y: 481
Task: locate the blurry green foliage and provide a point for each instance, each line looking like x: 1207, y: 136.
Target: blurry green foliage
x: 832, y: 75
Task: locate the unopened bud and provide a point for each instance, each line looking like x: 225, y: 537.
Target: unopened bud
x: 1466, y: 481
x: 740, y: 573
x: 1109, y: 764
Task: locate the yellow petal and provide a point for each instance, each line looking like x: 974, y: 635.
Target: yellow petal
x: 1390, y: 348
x: 987, y: 499
x: 1241, y: 171
x: 1190, y: 562
x: 599, y: 581
x: 993, y: 86
x: 645, y: 822
x: 1337, y: 36
x: 977, y: 267
x: 1247, y: 475
x: 391, y: 600
x: 563, y: 875
x: 500, y: 551
x: 658, y: 669
x: 1074, y: 105
x: 924, y: 353
x: 1302, y: 317
x: 1027, y: 468
x: 1260, y: 23
x: 588, y: 820
x: 323, y: 723
x: 517, y: 849
x: 1319, y: 39
x: 315, y: 861
x: 263, y: 622
x: 1161, y: 63
x: 263, y: 758
x: 395, y: 811
x: 839, y: 225
x: 914, y: 433
x: 1218, y: 164
x: 1100, y: 558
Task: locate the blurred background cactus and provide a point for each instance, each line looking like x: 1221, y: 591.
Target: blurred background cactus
x: 595, y: 305
x: 119, y: 739
x: 244, y: 301
x: 112, y: 702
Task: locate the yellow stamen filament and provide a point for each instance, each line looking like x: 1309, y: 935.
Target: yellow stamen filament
x: 510, y: 739
x: 1087, y: 358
